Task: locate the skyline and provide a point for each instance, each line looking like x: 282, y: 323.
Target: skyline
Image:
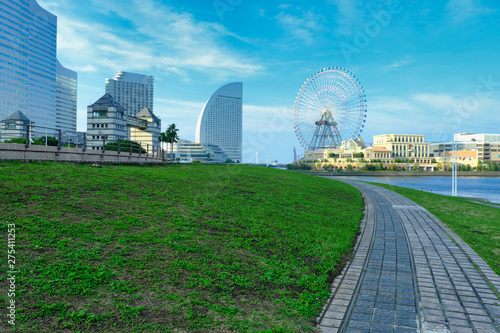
x: 427, y: 68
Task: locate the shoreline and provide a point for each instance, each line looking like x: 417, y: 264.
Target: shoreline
x: 399, y: 173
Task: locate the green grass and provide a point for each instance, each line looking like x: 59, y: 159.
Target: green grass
x: 176, y: 248
x: 478, y: 225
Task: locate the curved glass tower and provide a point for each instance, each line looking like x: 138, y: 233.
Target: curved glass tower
x: 220, y: 121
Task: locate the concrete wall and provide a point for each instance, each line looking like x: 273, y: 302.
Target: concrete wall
x: 14, y: 151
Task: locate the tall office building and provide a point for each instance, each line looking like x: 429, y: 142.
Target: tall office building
x: 66, y: 83
x: 28, y: 63
x: 133, y: 91
x: 220, y: 122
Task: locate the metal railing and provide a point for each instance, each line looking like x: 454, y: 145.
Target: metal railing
x: 50, y: 136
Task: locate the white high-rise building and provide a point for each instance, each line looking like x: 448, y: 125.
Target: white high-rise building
x: 220, y: 122
x: 28, y: 65
x: 133, y: 91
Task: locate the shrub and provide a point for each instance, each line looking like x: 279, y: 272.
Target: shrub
x: 23, y: 141
x: 125, y: 146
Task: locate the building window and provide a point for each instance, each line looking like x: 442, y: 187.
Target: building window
x: 11, y: 126
x: 100, y: 114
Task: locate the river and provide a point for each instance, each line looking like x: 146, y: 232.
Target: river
x: 474, y: 187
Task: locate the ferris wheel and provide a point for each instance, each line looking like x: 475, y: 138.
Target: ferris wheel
x: 330, y: 108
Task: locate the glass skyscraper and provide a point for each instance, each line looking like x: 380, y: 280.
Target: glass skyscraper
x: 28, y: 65
x: 132, y: 91
x: 66, y: 84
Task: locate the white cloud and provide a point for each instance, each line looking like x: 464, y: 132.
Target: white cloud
x: 349, y: 15
x: 399, y: 63
x: 302, y: 28
x: 159, y: 39
x: 437, y: 101
x: 462, y: 10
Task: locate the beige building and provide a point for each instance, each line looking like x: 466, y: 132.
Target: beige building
x: 403, y: 146
x: 348, y: 150
x: 145, y: 128
x: 464, y: 157
x: 378, y: 153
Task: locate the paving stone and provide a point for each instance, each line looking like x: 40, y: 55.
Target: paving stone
x: 460, y: 329
x: 384, y: 320
x: 411, y: 323
x: 326, y: 329
x: 406, y: 315
x: 331, y: 322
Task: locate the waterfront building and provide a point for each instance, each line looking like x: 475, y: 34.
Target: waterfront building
x: 471, y: 137
x: 403, y: 146
x: 28, y: 65
x: 484, y: 147
x: 106, y: 121
x: 220, y: 122
x: 188, y: 151
x: 14, y: 126
x: 66, y: 85
x: 487, y: 145
x: 132, y: 91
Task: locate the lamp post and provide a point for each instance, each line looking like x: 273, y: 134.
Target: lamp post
x: 454, y: 170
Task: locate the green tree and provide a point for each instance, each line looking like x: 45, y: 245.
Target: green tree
x: 172, y: 137
x: 51, y: 141
x: 360, y: 155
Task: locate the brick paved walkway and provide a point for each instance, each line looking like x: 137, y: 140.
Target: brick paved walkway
x: 410, y: 273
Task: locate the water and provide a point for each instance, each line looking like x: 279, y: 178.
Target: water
x: 473, y: 187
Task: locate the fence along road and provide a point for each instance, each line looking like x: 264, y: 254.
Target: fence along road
x: 410, y: 273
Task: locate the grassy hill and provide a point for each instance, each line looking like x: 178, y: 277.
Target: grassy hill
x: 177, y: 248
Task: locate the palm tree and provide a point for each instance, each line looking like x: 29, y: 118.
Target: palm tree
x: 172, y: 137
x: 163, y: 137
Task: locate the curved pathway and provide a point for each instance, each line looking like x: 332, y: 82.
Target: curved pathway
x: 410, y: 273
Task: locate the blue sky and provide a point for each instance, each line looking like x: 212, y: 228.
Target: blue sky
x: 427, y: 67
